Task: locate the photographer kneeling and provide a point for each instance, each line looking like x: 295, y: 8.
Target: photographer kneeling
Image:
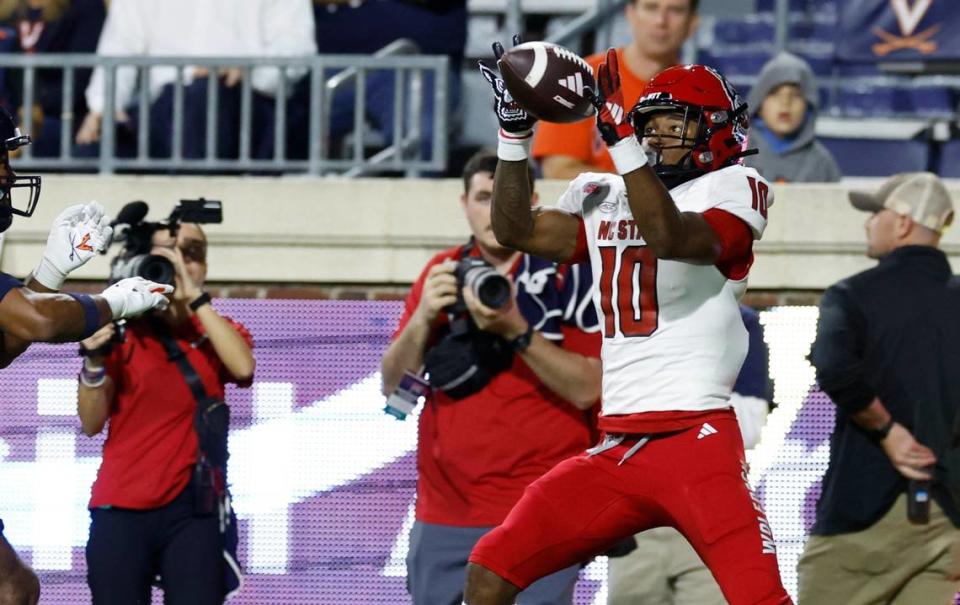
x: 513, y: 384
x: 159, y: 503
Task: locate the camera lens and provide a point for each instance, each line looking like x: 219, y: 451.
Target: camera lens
x: 491, y: 288
x: 156, y: 269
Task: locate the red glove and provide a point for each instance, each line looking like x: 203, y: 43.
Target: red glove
x: 612, y: 115
x: 613, y: 118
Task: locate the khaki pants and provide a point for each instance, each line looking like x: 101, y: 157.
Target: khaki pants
x: 663, y: 570
x: 893, y: 562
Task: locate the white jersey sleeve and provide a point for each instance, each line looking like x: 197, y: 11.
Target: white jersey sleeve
x: 742, y: 192
x: 586, y: 185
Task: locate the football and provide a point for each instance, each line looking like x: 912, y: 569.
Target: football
x: 548, y: 81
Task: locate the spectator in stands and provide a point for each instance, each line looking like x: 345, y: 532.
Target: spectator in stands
x: 660, y: 28
x: 886, y: 352
x: 153, y: 509
x: 482, y: 443
x: 437, y: 27
x: 53, y: 26
x: 256, y: 28
x: 783, y: 106
x: 664, y: 568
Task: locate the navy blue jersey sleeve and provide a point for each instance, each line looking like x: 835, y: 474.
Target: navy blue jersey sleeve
x: 576, y: 297
x: 7, y: 283
x: 754, y: 377
x: 538, y: 295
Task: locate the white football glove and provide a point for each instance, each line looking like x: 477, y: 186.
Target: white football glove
x: 77, y: 234
x: 134, y: 295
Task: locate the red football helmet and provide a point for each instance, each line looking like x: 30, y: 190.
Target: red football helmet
x: 701, y: 93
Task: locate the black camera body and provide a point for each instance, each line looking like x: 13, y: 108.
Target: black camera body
x: 465, y: 359
x: 490, y: 288
x: 136, y: 235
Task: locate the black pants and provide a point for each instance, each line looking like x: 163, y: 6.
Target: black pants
x: 128, y: 548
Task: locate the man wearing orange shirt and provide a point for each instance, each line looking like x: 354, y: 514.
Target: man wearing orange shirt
x: 660, y: 27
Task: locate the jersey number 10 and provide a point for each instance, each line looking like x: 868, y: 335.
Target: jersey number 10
x: 635, y: 294
x: 760, y: 191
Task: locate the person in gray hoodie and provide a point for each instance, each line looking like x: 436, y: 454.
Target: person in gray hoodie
x: 783, y: 115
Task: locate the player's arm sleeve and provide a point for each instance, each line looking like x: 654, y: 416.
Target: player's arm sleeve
x: 744, y: 194
x: 571, y: 202
x: 10, y: 347
x: 574, y: 140
x: 837, y: 353
x: 736, y: 243
x: 7, y: 283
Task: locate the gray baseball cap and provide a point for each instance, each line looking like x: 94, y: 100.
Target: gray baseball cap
x: 919, y: 195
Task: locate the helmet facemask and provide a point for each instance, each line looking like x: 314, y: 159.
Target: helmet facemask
x: 13, y: 199
x: 654, y: 144
x: 701, y: 157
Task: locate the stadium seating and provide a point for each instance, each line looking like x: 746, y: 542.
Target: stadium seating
x: 949, y: 160
x: 879, y: 157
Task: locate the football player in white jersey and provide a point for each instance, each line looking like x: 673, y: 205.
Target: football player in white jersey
x: 670, y: 242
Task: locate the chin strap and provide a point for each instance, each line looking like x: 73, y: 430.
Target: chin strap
x: 744, y: 154
x: 679, y: 173
x: 672, y: 177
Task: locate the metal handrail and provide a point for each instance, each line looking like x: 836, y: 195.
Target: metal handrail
x: 401, y: 143
x: 403, y: 46
x: 316, y: 67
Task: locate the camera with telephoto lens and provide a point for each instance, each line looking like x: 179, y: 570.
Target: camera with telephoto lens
x: 136, y: 235
x: 490, y: 288
x: 464, y: 358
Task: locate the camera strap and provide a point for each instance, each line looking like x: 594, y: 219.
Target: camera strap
x: 195, y: 384
x: 232, y: 574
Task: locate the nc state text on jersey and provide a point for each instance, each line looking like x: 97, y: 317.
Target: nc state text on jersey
x: 622, y: 229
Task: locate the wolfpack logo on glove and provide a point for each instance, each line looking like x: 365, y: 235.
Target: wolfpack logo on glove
x: 512, y: 117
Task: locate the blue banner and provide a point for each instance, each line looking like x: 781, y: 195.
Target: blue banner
x: 899, y: 30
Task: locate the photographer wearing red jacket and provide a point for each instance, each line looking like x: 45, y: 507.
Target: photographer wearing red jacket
x: 513, y: 385
x: 145, y: 507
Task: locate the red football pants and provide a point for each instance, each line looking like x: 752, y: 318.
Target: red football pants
x: 693, y: 480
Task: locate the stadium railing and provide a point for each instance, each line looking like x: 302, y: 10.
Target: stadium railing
x: 325, y: 76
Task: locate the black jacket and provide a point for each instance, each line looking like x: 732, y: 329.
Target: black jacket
x: 891, y: 332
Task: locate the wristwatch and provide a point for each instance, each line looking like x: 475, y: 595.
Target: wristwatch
x: 196, y: 303
x: 522, y: 343
x: 879, y: 434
